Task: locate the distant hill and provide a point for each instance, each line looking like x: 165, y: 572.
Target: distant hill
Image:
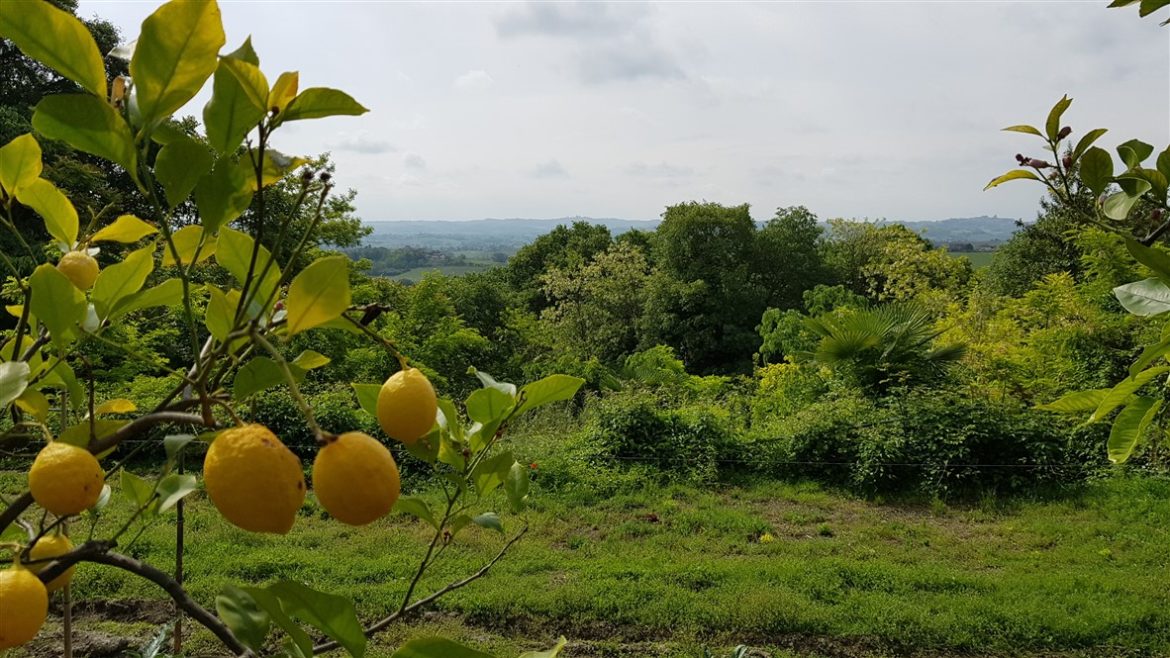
x: 508, y: 235
x: 978, y: 231
x: 503, y: 235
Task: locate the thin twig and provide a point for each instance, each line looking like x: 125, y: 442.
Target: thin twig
x: 410, y: 609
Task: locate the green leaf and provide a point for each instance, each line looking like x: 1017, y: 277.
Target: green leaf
x: 259, y: 374
x: 283, y: 91
x: 1118, y: 395
x: 1164, y: 163
x: 186, y: 241
x: 1052, y: 125
x: 1134, y: 184
x: 57, y: 303
x: 1148, y: 7
x: 367, y: 396
x: 234, y: 253
x: 1015, y: 174
x: 176, y: 52
x: 310, y: 360
x: 437, y: 647
x: 238, y: 103
x: 551, y: 653
x: 13, y: 380
x: 426, y: 448
x: 79, y: 434
x: 418, y: 508
x: 33, y: 403
x: 487, y: 404
x: 1118, y: 205
x: 1087, y: 141
x: 137, y: 490
x: 302, y: 643
x: 1134, y: 152
x: 126, y: 229
x: 1157, y: 260
x: 247, y: 620
x: 59, y: 214
x: 58, y: 40
x: 489, y: 382
x: 88, y: 123
x: 318, y: 294
x: 516, y: 487
x: 167, y: 293
x: 278, y: 165
x: 1096, y: 169
x: 1029, y: 130
x: 174, y: 444
x: 1149, y: 355
x: 553, y: 388
x: 20, y: 163
x: 179, y: 167
x: 220, y: 315
x: 449, y: 418
x: 489, y: 520
x: 223, y: 195
x: 1145, y: 298
x: 1129, y: 427
x: 173, y: 488
x: 332, y: 615
x: 318, y: 102
x: 451, y: 452
x: 121, y: 280
x: 490, y: 473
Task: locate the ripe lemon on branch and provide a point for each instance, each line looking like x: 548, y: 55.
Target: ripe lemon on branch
x: 24, y: 602
x: 48, y: 547
x: 355, y: 478
x: 80, y: 268
x: 65, y: 479
x: 254, y: 480
x: 407, y: 405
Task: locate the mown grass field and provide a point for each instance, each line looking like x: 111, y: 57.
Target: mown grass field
x: 792, y: 569
x: 448, y: 270
x: 979, y: 259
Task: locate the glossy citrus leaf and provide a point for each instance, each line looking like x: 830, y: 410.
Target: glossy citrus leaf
x: 116, y: 406
x: 126, y: 229
x: 121, y: 280
x: 1145, y: 298
x: 13, y: 380
x: 88, y: 123
x: 318, y: 102
x: 234, y: 253
x: 283, y: 91
x: 1129, y: 427
x: 57, y: 303
x: 177, y: 51
x: 59, y: 214
x: 318, y: 294
x: 179, y: 167
x: 186, y: 241
x: 57, y: 39
x: 224, y: 194
x: 238, y: 103
x: 437, y: 647
x: 1015, y: 174
x: 331, y: 614
x: 20, y: 163
x: 1052, y: 125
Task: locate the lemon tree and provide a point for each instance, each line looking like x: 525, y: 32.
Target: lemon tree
x: 101, y: 267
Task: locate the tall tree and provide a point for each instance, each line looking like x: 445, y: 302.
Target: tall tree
x: 790, y: 256
x: 705, y: 300
x: 564, y: 246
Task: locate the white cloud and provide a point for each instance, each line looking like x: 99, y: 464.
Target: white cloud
x: 549, y: 169
x: 414, y: 162
x: 476, y: 80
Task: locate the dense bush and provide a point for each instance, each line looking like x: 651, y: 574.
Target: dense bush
x: 935, y: 442
x: 634, y: 428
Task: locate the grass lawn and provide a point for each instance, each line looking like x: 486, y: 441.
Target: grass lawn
x: 670, y: 571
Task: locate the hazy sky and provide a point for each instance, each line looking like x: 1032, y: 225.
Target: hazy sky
x: 855, y: 109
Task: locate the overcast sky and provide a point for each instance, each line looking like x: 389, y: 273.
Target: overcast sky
x: 854, y: 109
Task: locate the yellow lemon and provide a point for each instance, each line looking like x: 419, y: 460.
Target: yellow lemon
x: 254, y: 480
x: 48, y: 547
x: 80, y: 268
x: 65, y: 479
x: 355, y: 478
x: 25, y: 603
x: 407, y: 406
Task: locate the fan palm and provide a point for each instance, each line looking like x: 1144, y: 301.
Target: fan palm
x: 883, y: 347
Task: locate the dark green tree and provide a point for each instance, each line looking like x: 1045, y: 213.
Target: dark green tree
x: 563, y: 247
x: 706, y: 299
x: 790, y: 256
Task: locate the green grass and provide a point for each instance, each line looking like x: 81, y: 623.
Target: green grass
x: 449, y: 270
x: 668, y: 571
x: 979, y: 259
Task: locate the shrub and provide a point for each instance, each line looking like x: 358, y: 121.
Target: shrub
x: 682, y: 443
x: 784, y: 389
